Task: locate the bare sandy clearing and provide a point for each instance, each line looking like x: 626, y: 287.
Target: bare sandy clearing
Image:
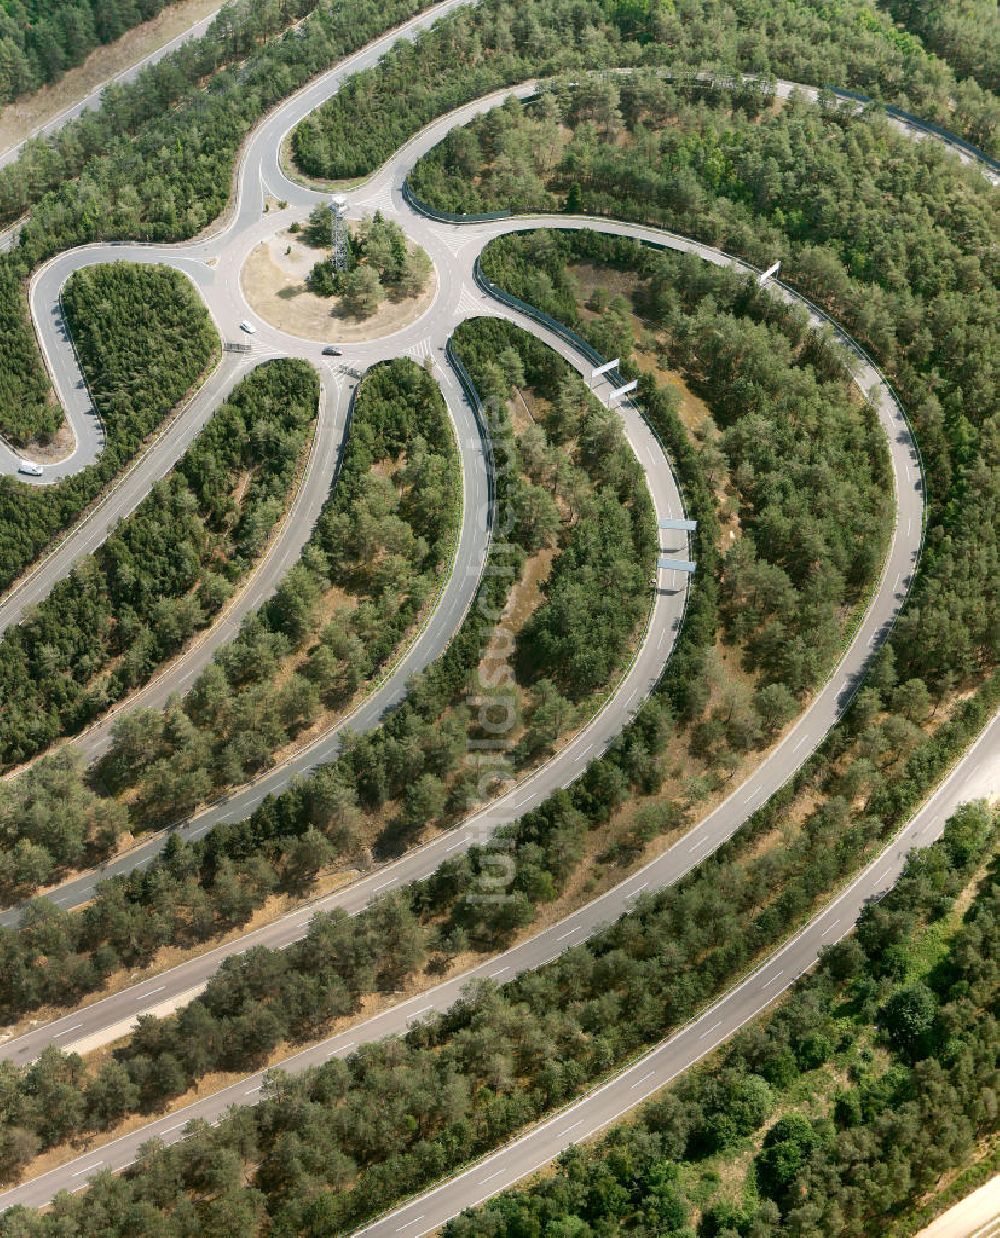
x: 274, y: 284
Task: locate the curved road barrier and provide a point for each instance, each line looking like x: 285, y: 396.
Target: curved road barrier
x: 214, y: 264
x: 976, y: 776
x: 456, y: 248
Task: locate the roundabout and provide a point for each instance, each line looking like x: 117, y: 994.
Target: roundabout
x: 215, y: 266
x: 239, y: 272
x: 275, y: 281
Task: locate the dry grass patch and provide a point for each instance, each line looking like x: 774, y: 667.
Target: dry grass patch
x: 274, y: 283
x: 22, y: 117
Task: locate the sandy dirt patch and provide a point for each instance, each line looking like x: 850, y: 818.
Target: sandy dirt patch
x: 26, y: 115
x: 58, y: 447
x: 274, y: 284
x: 977, y: 1214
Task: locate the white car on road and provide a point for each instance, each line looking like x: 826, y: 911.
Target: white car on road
x: 30, y: 468
x: 248, y: 327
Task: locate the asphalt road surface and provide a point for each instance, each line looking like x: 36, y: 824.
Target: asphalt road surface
x: 454, y: 249
x: 214, y: 265
x: 976, y: 1216
x: 976, y: 776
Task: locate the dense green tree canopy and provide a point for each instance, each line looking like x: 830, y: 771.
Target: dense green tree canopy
x: 144, y: 338
x: 170, y: 566
x: 893, y: 237
x: 966, y: 35
x: 40, y: 39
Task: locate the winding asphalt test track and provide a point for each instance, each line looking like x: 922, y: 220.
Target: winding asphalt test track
x: 453, y: 250
x: 976, y: 776
x: 384, y: 191
x: 215, y: 265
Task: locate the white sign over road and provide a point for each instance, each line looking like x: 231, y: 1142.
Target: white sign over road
x: 604, y: 369
x: 623, y: 391
x: 769, y: 273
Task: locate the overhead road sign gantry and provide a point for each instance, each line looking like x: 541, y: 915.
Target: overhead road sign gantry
x: 677, y: 565
x: 686, y: 526
x: 623, y: 391
x: 769, y: 273
x: 604, y: 369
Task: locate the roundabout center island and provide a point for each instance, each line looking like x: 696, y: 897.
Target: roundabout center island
x: 290, y: 281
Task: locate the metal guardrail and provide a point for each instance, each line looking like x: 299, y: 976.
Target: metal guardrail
x: 449, y: 217
x: 928, y: 126
x: 571, y: 337
x: 577, y: 341
x: 574, y: 339
x: 477, y: 404
x: 546, y: 320
x: 479, y: 412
